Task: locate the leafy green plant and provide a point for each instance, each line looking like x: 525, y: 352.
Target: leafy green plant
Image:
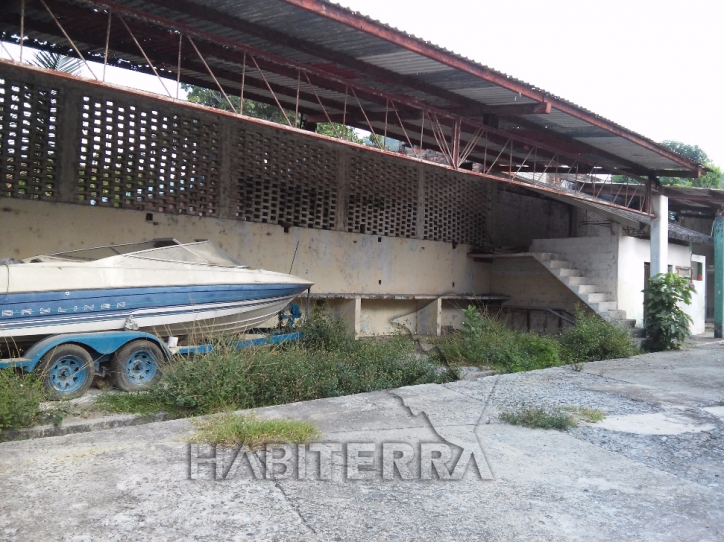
x: 593, y: 339
x: 20, y: 397
x: 666, y: 322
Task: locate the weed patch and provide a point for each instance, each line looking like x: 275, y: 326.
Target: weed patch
x: 584, y: 414
x: 593, y: 339
x: 20, y: 397
x: 539, y: 418
x: 253, y: 433
x: 486, y: 341
x: 327, y: 363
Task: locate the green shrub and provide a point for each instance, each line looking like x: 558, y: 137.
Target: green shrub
x: 327, y: 363
x: 20, y: 397
x: 593, y: 339
x: 666, y: 323
x: 486, y: 341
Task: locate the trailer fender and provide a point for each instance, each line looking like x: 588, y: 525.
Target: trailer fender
x: 100, y: 345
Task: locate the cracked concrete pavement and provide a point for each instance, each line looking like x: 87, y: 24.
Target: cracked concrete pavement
x: 653, y: 470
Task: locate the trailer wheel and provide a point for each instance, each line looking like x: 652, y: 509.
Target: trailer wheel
x: 66, y: 371
x: 136, y: 366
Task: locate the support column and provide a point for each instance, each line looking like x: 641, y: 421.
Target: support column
x: 660, y: 235
x: 718, y: 276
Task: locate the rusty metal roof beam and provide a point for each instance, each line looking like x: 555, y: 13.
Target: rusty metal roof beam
x: 223, y: 48
x: 346, y: 17
x: 273, y: 36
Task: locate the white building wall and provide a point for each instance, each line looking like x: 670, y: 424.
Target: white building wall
x: 632, y: 255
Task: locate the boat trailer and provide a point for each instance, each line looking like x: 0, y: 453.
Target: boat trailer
x: 132, y: 360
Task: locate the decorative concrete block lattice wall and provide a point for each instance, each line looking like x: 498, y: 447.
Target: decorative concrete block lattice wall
x: 73, y: 141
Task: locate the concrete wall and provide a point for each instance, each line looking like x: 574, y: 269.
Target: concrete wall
x: 594, y: 256
x: 633, y: 254
x: 337, y: 262
x: 515, y: 219
x: 529, y: 284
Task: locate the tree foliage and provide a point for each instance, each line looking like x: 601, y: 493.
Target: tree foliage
x: 259, y: 110
x: 252, y: 108
x: 712, y: 179
x: 58, y: 62
x: 666, y: 322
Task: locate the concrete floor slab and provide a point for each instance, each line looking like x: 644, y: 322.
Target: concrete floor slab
x: 590, y: 483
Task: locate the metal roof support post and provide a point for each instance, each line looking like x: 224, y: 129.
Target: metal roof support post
x: 22, y: 28
x: 660, y: 236
x: 456, y: 143
x: 108, y: 40
x: 387, y: 111
x: 243, y: 80
x: 718, y: 275
x: 422, y: 129
x: 296, y: 102
x: 178, y: 67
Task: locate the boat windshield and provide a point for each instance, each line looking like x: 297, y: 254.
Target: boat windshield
x: 98, y: 253
x: 202, y: 252
x: 168, y: 250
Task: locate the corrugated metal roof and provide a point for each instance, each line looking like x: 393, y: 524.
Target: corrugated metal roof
x: 337, y: 41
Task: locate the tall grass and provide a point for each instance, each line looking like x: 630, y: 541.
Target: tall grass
x: 20, y: 397
x: 485, y: 340
x: 328, y: 362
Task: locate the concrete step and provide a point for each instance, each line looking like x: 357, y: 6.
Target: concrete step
x: 559, y: 264
x: 604, y: 306
x: 614, y: 315
x: 638, y: 333
x: 575, y: 281
x: 598, y: 297
x: 585, y: 289
x: 628, y: 324
x: 560, y: 273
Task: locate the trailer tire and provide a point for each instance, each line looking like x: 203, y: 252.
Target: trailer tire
x: 136, y: 366
x: 66, y: 371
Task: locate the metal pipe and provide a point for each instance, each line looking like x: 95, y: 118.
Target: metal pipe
x: 178, y: 68
x: 72, y: 43
x: 133, y: 37
x: 270, y: 90
x: 22, y: 27
x: 243, y: 80
x: 212, y: 74
x: 108, y: 39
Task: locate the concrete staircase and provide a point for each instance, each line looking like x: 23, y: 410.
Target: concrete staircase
x: 585, y: 289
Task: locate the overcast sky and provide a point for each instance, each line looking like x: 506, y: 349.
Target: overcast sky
x: 654, y: 66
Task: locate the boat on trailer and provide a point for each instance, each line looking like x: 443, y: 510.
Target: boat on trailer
x: 162, y: 287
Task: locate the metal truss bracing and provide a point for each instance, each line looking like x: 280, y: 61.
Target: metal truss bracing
x: 188, y: 43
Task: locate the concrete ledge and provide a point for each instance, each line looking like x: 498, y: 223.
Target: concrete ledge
x: 81, y: 426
